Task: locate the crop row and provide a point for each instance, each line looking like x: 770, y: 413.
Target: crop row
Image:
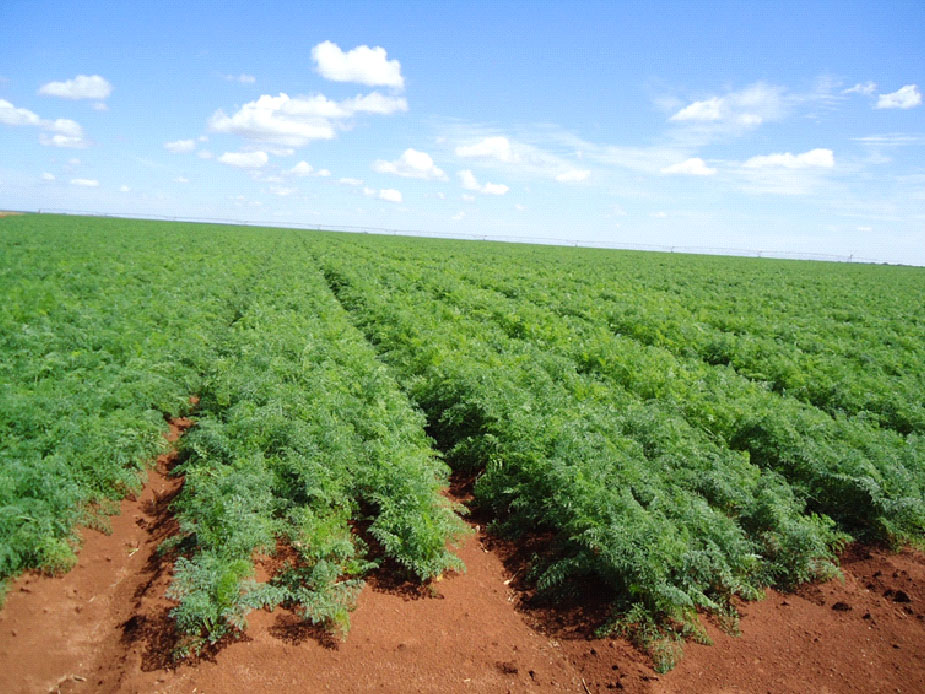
x: 665, y: 519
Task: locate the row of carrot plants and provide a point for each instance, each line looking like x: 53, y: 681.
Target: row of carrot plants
x: 304, y: 441
x: 103, y: 333
x: 665, y: 519
x: 871, y: 480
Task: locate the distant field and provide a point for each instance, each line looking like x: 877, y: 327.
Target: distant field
x: 680, y: 430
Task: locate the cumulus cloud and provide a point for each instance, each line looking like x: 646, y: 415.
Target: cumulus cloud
x: 10, y: 115
x: 362, y: 64
x: 351, y: 181
x: 61, y: 132
x: 495, y: 147
x: 469, y: 182
x: 81, y: 87
x: 85, y: 182
x: 324, y: 172
x: 819, y: 158
x: 904, y: 97
x: 303, y: 168
x: 573, y: 176
x: 411, y: 164
x: 694, y: 166
x: 861, y: 88
x: 180, y: 146
x: 747, y: 108
x: 294, y: 122
x: 244, y: 160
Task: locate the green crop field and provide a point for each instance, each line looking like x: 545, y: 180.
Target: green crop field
x: 684, y: 430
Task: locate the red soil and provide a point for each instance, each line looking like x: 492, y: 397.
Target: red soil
x: 103, y: 627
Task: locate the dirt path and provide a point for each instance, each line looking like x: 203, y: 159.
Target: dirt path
x: 103, y: 627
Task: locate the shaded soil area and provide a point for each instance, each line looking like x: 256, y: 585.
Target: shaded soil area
x: 104, y: 627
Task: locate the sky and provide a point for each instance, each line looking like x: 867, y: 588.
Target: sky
x: 779, y: 126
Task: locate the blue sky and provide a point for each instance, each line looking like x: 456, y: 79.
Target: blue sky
x: 766, y: 125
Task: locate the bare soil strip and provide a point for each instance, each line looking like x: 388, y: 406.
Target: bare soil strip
x: 104, y: 627
x: 55, y: 630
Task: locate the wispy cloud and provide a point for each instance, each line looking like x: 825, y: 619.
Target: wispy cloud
x: 892, y: 140
x: 695, y: 166
x: 245, y: 160
x: 85, y: 182
x: 180, y: 146
x: 241, y: 79
x: 861, y: 88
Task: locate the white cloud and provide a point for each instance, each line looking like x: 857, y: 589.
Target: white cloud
x: 658, y: 215
x: 86, y: 182
x: 374, y: 102
x: 904, y: 97
x: 294, y: 122
x: 362, y: 64
x: 390, y: 195
x: 891, y: 140
x: 204, y: 154
x: 180, y: 146
x: 694, y: 166
x: 458, y: 216
x: 747, y: 108
x: 520, y: 208
x: 282, y: 192
x: 10, y: 115
x: 573, y: 176
x: 411, y: 164
x: 244, y: 160
x: 242, y: 78
x: 819, y: 158
x: 469, y: 182
x: 468, y: 198
x: 495, y: 147
x: 48, y: 177
x: 323, y: 172
x: 351, y: 181
x: 303, y: 168
x: 181, y: 179
x: 861, y: 88
x: 61, y: 132
x: 74, y: 161
x: 711, y: 109
x: 81, y: 87
x: 124, y: 189
x: 100, y: 106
